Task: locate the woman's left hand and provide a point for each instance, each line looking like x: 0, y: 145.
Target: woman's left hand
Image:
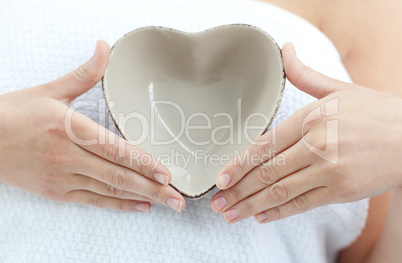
x: 342, y: 148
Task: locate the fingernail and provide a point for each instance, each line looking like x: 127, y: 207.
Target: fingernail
x: 175, y: 204
x: 142, y: 207
x: 223, y: 180
x: 161, y: 178
x: 231, y: 215
x: 219, y: 203
x: 261, y: 217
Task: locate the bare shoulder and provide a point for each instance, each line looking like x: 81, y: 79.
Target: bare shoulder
x: 366, y: 34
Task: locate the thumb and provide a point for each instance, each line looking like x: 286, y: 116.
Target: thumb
x: 307, y: 79
x: 83, y: 78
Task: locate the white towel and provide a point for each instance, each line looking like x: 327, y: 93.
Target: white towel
x: 41, y: 41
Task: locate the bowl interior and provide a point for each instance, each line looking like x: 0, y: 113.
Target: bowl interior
x: 186, y: 98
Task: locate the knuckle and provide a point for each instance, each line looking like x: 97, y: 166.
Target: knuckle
x: 238, y: 170
x: 120, y: 179
x: 249, y: 208
x: 111, y: 152
x: 124, y: 205
x: 314, y: 118
x: 301, y: 203
x: 237, y: 165
x: 235, y: 193
x: 275, y: 213
x: 113, y: 191
x: 280, y: 192
x: 59, y: 159
x: 141, y: 168
x: 83, y: 73
x: 144, y: 166
x: 49, y: 179
x: 57, y: 129
x: 313, y: 125
x: 266, y: 174
x: 267, y: 146
x: 307, y: 129
x: 315, y: 137
x: 321, y: 143
x: 156, y: 194
x: 308, y: 126
x: 264, y: 145
x: 94, y: 200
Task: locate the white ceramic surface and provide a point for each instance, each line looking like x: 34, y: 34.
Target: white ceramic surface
x: 186, y: 97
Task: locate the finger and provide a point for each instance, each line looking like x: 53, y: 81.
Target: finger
x: 263, y: 176
x: 94, y: 199
x: 128, y: 180
x: 275, y: 195
x: 82, y: 78
x: 267, y: 146
x: 109, y: 146
x: 307, y: 79
x: 82, y: 182
x: 307, y: 201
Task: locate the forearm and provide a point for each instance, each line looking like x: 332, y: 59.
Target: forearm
x: 388, y: 246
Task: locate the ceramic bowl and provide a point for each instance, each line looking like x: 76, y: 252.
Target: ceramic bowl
x: 194, y: 100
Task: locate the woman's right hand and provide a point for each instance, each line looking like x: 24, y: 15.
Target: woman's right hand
x: 39, y: 155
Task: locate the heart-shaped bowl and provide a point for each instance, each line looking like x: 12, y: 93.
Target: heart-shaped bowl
x: 194, y: 100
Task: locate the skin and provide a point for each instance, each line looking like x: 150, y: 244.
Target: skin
x: 55, y: 168
x: 44, y: 159
x: 366, y: 34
